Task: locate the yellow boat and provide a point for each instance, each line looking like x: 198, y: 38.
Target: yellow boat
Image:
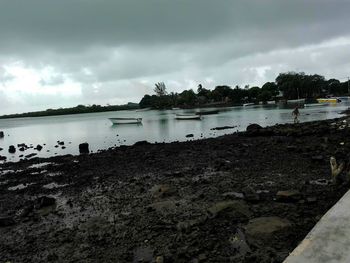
x: 328, y: 100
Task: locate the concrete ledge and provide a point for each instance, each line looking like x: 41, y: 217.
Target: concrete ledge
x: 329, y: 240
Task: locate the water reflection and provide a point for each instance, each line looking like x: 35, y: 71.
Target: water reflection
x: 157, y: 126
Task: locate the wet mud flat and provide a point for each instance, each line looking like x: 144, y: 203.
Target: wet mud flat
x: 245, y: 197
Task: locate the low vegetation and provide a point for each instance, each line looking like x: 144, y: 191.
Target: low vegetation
x: 288, y: 86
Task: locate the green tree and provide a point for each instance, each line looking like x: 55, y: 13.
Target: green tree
x: 270, y: 87
x: 160, y: 89
x: 188, y: 97
x: 253, y: 93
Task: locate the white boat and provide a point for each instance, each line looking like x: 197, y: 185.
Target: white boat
x: 175, y: 108
x: 248, y: 104
x: 144, y: 109
x: 297, y: 101
x: 188, y: 117
x: 315, y: 104
x: 126, y: 120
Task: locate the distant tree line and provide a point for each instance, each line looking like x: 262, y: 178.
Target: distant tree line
x: 290, y: 85
x: 74, y: 110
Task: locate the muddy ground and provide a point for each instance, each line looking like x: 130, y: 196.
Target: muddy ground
x: 246, y: 197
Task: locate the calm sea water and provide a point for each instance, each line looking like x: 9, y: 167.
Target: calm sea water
x: 157, y: 126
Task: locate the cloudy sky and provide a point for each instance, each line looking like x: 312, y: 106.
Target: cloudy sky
x: 68, y: 52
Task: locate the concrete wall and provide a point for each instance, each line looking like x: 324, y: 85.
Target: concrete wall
x: 329, y: 240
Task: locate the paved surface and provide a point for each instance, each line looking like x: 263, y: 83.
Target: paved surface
x: 329, y: 240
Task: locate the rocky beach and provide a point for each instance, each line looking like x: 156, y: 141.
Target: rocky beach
x: 246, y: 197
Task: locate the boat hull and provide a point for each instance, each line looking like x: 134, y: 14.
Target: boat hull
x: 328, y: 100
x: 188, y: 117
x: 126, y: 120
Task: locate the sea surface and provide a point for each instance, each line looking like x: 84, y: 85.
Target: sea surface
x: 157, y: 126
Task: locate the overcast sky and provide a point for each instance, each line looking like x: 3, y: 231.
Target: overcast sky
x: 69, y: 52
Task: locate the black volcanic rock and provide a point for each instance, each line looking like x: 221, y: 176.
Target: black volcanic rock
x: 253, y: 127
x: 39, y: 147
x: 12, y: 149
x: 6, y: 221
x: 84, y: 147
x: 141, y: 143
x: 44, y: 201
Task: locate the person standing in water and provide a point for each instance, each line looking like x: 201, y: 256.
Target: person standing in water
x: 296, y: 114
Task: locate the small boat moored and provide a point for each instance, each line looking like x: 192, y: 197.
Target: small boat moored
x: 126, y: 120
x: 248, y: 104
x: 328, y: 100
x: 315, y: 104
x: 143, y: 109
x: 188, y: 117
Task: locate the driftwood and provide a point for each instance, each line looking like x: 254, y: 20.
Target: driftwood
x: 336, y: 170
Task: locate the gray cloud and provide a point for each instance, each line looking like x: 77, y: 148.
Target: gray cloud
x: 117, y: 49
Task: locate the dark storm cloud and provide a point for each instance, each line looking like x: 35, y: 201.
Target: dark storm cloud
x: 120, y: 48
x: 69, y: 25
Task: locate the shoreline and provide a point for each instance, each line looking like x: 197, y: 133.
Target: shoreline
x: 246, y: 197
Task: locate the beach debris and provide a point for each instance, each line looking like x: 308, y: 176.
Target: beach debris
x: 84, y: 148
x: 336, y: 169
x: 12, y: 149
x: 3, y: 158
x: 189, y: 135
x: 2, y: 134
x: 60, y: 142
x: 288, y: 196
